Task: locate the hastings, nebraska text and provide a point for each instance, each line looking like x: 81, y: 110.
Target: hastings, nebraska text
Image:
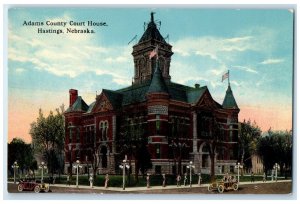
x: 59, y: 27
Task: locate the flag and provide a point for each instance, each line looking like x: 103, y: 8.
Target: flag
x: 153, y: 52
x: 225, y: 76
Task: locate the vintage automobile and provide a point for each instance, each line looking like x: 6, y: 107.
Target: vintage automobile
x: 221, y: 185
x: 32, y: 185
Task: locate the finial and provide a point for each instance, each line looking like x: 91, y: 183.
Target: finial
x: 152, y: 16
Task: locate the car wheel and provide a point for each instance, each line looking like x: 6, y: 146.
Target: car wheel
x: 235, y: 186
x: 20, y: 187
x: 47, y: 189
x: 221, y: 189
x: 37, y: 189
x: 209, y: 188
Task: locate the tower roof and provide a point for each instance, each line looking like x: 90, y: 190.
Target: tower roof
x: 79, y: 105
x: 229, y: 100
x: 158, y: 84
x: 152, y: 33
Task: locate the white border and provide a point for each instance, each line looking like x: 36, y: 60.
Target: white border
x: 147, y: 3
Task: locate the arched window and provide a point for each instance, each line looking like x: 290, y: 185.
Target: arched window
x: 103, y: 127
x: 162, y: 65
x: 101, y: 130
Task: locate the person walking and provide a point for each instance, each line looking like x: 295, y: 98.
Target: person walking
x: 148, y: 180
x: 199, y: 179
x: 178, y: 179
x: 185, y: 179
x: 106, y: 181
x: 91, y: 181
x: 264, y: 177
x: 68, y: 180
x: 164, y: 180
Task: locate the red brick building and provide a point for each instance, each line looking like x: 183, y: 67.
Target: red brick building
x: 171, y: 122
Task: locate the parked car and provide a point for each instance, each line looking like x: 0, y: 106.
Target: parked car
x: 220, y: 186
x: 32, y: 185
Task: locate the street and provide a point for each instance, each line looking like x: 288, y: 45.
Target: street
x: 283, y: 187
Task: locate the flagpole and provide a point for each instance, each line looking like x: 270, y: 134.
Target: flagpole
x: 157, y: 57
x: 228, y: 78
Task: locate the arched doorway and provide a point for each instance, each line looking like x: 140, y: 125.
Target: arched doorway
x: 204, y: 157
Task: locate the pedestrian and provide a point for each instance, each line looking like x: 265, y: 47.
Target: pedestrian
x: 264, y: 177
x: 252, y: 176
x: 185, y: 179
x: 54, y: 177
x: 199, y: 179
x: 91, y: 181
x: 148, y: 180
x: 178, y: 179
x: 68, y: 180
x: 164, y: 180
x: 106, y: 181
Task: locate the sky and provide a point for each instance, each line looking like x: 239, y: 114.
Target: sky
x: 256, y: 45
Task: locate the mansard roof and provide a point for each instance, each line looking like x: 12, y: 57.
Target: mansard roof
x: 78, y: 105
x: 229, y: 100
x: 152, y: 33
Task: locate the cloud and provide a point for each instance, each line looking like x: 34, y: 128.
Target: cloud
x: 70, y: 54
x: 20, y: 70
x: 272, y: 61
x: 246, y: 69
x: 212, y: 46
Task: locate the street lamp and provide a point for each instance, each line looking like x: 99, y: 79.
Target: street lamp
x: 123, y: 166
x: 276, y: 166
x: 42, y: 166
x: 238, y: 167
x: 77, y: 166
x: 15, y: 166
x: 190, y: 166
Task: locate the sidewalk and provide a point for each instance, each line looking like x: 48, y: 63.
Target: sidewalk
x: 129, y: 189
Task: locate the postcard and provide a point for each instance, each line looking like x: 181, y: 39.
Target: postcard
x: 150, y: 100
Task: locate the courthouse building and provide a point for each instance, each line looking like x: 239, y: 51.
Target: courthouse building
x: 175, y: 123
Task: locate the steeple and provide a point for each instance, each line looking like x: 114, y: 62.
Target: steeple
x: 158, y: 84
x: 152, y: 33
x: 229, y: 100
x: 143, y: 66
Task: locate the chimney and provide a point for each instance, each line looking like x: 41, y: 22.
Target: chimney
x: 73, y: 96
x: 197, y: 86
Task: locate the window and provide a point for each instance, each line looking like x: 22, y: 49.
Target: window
x: 157, y: 169
x: 157, y: 152
x: 77, y: 135
x: 104, y: 157
x: 231, y: 169
x: 71, y: 132
x: 184, y: 169
x: 230, y: 133
x: 157, y: 124
x: 103, y: 127
x: 205, y: 160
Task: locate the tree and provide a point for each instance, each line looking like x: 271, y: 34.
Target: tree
x: 48, y: 138
x: 276, y: 147
x: 249, y: 135
x: 21, y: 152
x: 143, y: 158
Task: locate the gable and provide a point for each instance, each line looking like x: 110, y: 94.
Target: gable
x: 206, y: 101
x: 102, y: 104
